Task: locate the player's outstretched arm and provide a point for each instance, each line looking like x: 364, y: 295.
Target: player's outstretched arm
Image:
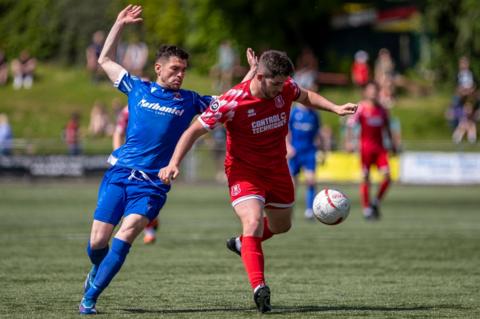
x: 315, y: 100
x: 131, y: 14
x: 171, y: 171
x: 253, y: 63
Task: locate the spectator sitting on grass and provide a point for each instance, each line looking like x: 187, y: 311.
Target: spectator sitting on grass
x: 23, y: 69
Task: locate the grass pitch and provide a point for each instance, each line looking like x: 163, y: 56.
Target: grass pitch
x: 421, y: 261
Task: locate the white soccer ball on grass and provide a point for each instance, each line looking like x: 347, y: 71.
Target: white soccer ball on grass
x: 331, y: 206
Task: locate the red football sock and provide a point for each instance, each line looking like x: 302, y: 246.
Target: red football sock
x: 364, y: 192
x: 383, y: 188
x: 252, y: 257
x: 152, y: 224
x: 267, y: 233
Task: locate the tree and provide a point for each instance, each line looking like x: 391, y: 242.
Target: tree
x: 453, y: 26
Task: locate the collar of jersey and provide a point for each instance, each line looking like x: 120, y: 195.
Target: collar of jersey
x: 160, y: 90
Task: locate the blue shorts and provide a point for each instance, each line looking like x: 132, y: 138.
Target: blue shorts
x: 126, y: 191
x: 306, y: 160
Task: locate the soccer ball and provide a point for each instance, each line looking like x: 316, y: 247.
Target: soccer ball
x: 331, y: 207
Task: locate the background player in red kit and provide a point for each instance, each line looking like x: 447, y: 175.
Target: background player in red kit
x: 118, y: 138
x: 374, y: 120
x: 255, y: 114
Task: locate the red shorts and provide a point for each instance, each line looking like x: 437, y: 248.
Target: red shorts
x: 379, y: 157
x: 273, y: 187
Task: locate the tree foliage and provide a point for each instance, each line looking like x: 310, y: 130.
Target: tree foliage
x: 61, y: 30
x: 453, y: 26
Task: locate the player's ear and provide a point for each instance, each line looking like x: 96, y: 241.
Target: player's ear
x: 158, y: 68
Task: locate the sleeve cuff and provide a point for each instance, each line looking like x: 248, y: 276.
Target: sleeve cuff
x: 120, y: 77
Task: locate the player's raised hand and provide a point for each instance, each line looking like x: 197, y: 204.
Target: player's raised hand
x: 346, y: 109
x: 252, y: 58
x: 168, y: 174
x: 131, y: 14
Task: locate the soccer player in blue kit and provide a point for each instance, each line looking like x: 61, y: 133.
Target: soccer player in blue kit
x: 302, y: 140
x: 159, y: 113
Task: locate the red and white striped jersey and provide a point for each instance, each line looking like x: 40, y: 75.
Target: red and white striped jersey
x: 256, y: 128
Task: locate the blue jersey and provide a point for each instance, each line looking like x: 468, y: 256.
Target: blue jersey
x: 157, y: 118
x: 304, y: 125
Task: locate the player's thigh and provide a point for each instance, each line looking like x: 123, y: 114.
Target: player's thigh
x: 280, y: 192
x: 279, y: 220
x: 367, y: 158
x: 145, y: 198
x: 250, y: 213
x: 382, y: 164
x: 309, y: 163
x: 294, y: 165
x: 132, y: 225
x: 111, y: 196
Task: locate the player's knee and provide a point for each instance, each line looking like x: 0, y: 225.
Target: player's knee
x: 281, y: 228
x: 252, y: 226
x: 99, y: 240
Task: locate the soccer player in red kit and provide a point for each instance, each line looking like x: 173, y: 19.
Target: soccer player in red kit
x: 255, y: 114
x: 374, y: 120
x: 118, y: 138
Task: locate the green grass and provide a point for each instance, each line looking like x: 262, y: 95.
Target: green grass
x: 39, y: 115
x: 420, y: 261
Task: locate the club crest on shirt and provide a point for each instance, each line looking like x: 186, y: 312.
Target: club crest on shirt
x: 177, y: 96
x: 279, y: 102
x: 215, y: 105
x: 235, y: 190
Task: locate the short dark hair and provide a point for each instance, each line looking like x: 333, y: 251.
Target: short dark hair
x: 274, y: 63
x: 167, y: 51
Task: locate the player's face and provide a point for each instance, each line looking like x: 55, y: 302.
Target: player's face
x: 271, y: 87
x: 371, y: 92
x: 171, y: 72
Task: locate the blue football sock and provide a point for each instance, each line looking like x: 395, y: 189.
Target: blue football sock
x: 96, y: 255
x: 109, y: 267
x: 309, y: 196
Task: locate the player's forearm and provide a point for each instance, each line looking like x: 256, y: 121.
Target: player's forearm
x: 319, y: 102
x: 117, y: 140
x: 110, y: 47
x: 186, y: 142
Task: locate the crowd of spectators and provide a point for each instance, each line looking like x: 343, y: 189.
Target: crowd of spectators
x: 462, y: 115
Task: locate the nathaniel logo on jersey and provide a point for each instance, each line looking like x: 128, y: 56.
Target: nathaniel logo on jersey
x: 160, y: 109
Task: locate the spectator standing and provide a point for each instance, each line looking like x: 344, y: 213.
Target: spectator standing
x: 384, y: 77
x: 136, y: 56
x: 72, y: 134
x: 225, y: 67
x: 99, y: 121
x: 360, y: 69
x: 465, y: 80
x: 93, y: 53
